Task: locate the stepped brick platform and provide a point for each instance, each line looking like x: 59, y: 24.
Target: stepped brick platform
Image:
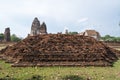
x: 59, y: 50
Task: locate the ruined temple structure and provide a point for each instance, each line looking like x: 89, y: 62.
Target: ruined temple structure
x: 7, y: 35
x: 36, y: 28
x: 43, y: 28
x: 91, y: 33
x: 59, y: 50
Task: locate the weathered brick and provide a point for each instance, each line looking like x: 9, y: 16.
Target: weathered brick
x: 60, y: 50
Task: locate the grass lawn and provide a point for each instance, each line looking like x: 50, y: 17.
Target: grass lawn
x: 59, y: 73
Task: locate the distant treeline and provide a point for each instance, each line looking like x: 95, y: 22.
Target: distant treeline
x: 110, y: 38
x: 14, y: 37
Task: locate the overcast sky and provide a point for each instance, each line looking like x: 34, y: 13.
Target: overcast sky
x: 75, y: 15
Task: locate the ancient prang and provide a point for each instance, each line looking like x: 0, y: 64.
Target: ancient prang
x: 7, y: 35
x: 36, y: 28
x: 43, y: 28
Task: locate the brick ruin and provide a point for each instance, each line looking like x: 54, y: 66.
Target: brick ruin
x: 59, y: 50
x: 36, y: 28
x: 7, y: 35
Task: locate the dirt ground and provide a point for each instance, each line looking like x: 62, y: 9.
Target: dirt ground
x: 4, y: 44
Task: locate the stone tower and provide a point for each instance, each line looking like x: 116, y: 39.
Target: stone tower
x: 7, y: 35
x: 35, y: 28
x: 43, y: 28
x: 66, y: 31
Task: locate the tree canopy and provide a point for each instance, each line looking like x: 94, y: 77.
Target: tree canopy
x: 14, y: 38
x: 72, y: 33
x: 110, y: 38
x: 1, y: 36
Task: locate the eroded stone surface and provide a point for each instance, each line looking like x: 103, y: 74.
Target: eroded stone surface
x: 7, y: 35
x: 36, y: 28
x: 60, y: 50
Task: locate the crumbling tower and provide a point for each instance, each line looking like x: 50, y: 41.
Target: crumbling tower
x: 43, y: 28
x: 7, y: 35
x: 35, y: 28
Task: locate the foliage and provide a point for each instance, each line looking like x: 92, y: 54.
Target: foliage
x: 1, y: 36
x: 72, y: 33
x: 14, y: 38
x: 110, y: 38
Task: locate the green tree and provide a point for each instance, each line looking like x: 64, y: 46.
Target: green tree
x: 1, y: 36
x: 110, y: 38
x: 118, y: 39
x: 14, y: 38
x: 73, y: 33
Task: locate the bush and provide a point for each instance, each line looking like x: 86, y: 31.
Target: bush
x: 72, y: 33
x: 1, y: 36
x: 110, y: 38
x: 14, y: 38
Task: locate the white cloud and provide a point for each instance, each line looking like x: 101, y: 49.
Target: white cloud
x: 82, y: 20
x: 64, y: 12
x: 60, y: 10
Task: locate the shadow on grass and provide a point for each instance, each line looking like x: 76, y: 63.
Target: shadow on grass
x: 35, y: 77
x: 8, y: 78
x: 72, y: 77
